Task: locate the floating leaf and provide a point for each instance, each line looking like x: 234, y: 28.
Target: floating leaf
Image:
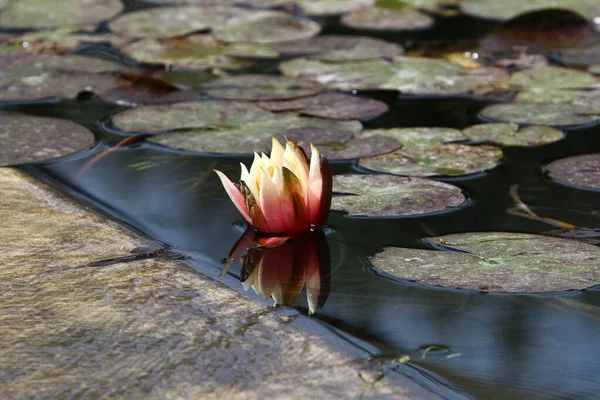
x: 45, y: 14
x: 266, y: 27
x: 419, y: 137
x: 26, y: 138
x: 342, y: 48
x: 259, y: 87
x: 63, y: 39
x: 388, y: 195
x: 331, y: 105
x: 196, y: 51
x: 498, y: 262
x: 412, y: 75
x: 330, y: 7
x: 510, y: 134
x: 444, y: 159
x: 387, y: 15
x: 550, y: 77
x: 581, y: 170
x: 588, y: 55
x: 556, y: 115
x: 506, y: 9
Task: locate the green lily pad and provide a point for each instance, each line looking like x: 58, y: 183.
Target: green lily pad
x: 444, y: 159
x: 506, y: 9
x: 552, y: 78
x: 503, y: 134
x: 342, y: 48
x: 196, y: 51
x: 259, y: 87
x: 168, y: 22
x: 498, y: 262
x: 332, y: 106
x: 411, y: 75
x: 323, y: 8
x: 45, y: 14
x: 63, y: 39
x: 581, y: 170
x: 266, y: 27
x: 419, y: 137
x: 595, y: 68
x: 556, y: 115
x: 388, y: 195
x: 26, y: 138
x: 387, y: 18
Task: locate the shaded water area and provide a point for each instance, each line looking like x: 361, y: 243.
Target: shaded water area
x: 468, y: 344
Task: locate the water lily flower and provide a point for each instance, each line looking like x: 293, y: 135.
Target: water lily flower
x: 283, y: 193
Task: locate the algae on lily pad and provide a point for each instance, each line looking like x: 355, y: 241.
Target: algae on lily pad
x: 443, y: 159
x: 27, y: 138
x: 387, y: 15
x: 411, y: 75
x: 196, y: 51
x: 321, y: 8
x: 497, y: 262
x: 253, y: 87
x: 388, y: 195
x: 331, y: 105
x: 47, y: 14
x: 583, y: 170
x: 63, y: 39
x: 342, y: 48
x: 555, y: 115
x: 506, y: 9
x: 419, y: 136
x: 266, y: 27
x: 509, y: 134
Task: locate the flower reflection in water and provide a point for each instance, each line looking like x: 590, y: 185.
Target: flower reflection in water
x: 280, y: 267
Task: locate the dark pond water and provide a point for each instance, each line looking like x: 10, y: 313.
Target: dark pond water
x: 470, y: 344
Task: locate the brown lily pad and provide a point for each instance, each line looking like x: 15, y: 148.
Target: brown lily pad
x: 555, y: 115
x: 332, y: 106
x: 45, y: 14
x: 266, y: 27
x: 504, y: 134
x: 583, y: 171
x: 26, y: 138
x: 444, y: 159
x: 387, y: 15
x: 497, y: 262
x: 388, y: 195
x: 252, y: 87
x: 342, y: 48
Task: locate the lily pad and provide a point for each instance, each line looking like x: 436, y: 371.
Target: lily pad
x: 411, y: 75
x: 506, y: 9
x: 388, y: 195
x: 556, y: 115
x: 553, y: 78
x: 63, y: 39
x: 382, y: 18
x: 444, y: 159
x: 581, y: 170
x: 420, y: 136
x: 332, y: 106
x: 342, y: 48
x: 45, y: 14
x: 266, y: 27
x: 498, y: 262
x: 323, y: 8
x: 510, y: 135
x: 259, y: 87
x: 26, y: 138
x: 196, y: 51
x: 584, y: 56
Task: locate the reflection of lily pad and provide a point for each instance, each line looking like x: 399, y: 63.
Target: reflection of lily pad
x: 342, y: 48
x: 506, y: 9
x: 388, y: 195
x: 398, y: 18
x: 445, y: 159
x: 259, y: 87
x: 406, y: 74
x: 63, y: 39
x: 331, y: 105
x: 197, y: 51
x: 419, y: 137
x: 557, y: 115
x: 266, y: 27
x: 43, y: 13
x: 581, y: 170
x: 497, y: 261
x: 510, y: 135
x: 25, y: 138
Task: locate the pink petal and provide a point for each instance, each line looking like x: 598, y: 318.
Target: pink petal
x: 235, y: 195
